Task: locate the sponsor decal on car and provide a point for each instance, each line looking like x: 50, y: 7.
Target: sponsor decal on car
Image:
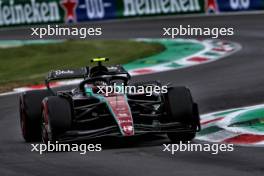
x: 60, y: 72
x: 120, y: 109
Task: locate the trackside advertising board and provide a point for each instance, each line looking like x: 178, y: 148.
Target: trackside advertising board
x: 31, y: 12
x: 86, y: 10
x: 22, y: 12
x: 158, y: 7
x: 240, y: 5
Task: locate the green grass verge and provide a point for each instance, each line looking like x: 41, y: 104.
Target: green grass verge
x: 29, y: 64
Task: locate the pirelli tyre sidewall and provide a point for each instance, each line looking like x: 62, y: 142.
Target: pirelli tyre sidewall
x: 30, y: 114
x: 56, y: 117
x: 181, y: 108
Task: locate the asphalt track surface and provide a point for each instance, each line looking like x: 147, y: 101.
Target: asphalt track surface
x: 237, y: 80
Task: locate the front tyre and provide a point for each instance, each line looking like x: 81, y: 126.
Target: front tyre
x: 30, y: 114
x: 56, y: 118
x: 181, y: 108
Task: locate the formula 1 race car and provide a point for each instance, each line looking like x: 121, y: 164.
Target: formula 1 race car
x: 87, y: 112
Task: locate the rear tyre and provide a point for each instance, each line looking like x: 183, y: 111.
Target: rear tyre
x: 30, y: 114
x: 56, y: 118
x: 182, y: 109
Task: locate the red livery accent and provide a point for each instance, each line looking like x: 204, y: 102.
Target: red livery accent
x: 121, y: 111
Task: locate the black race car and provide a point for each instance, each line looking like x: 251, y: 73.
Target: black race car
x: 87, y: 111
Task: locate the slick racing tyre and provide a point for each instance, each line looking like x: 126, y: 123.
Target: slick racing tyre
x: 182, y: 109
x: 30, y: 114
x: 56, y: 118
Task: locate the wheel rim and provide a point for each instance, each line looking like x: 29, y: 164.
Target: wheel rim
x: 44, y: 133
x: 22, y: 119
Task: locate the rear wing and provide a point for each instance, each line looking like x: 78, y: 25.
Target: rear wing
x: 83, y: 73
x: 68, y: 74
x: 118, y: 69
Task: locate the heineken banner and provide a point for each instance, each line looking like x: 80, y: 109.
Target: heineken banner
x: 21, y: 12
x: 31, y: 12
x: 154, y: 7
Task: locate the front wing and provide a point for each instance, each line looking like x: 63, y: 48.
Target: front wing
x: 155, y: 128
